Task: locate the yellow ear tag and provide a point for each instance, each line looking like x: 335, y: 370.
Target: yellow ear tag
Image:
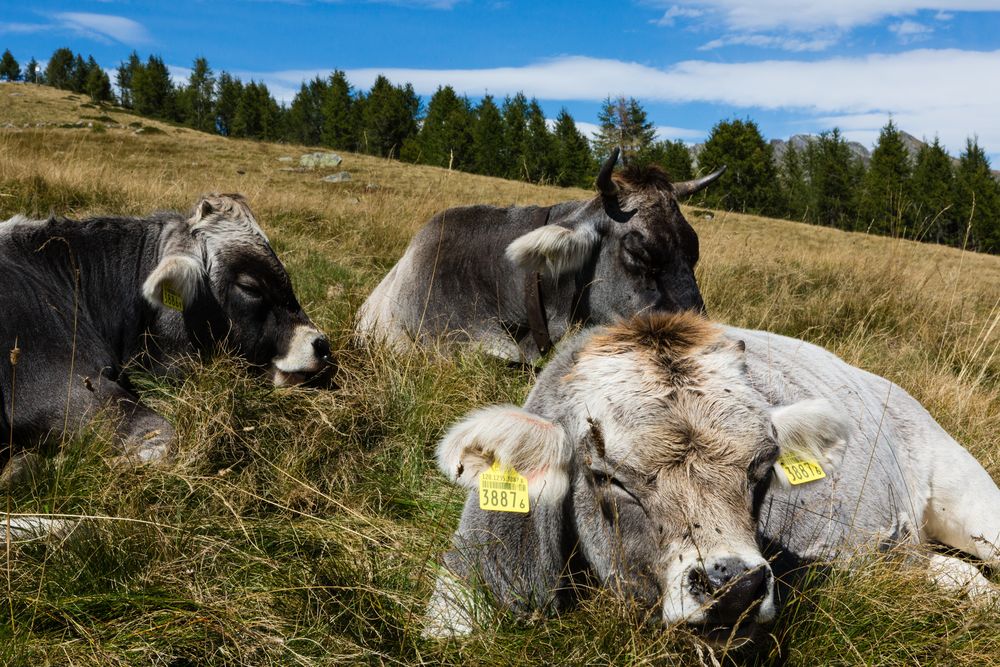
x: 800, y: 469
x: 172, y: 298
x: 503, y: 490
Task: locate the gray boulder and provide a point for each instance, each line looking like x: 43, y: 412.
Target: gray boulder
x: 320, y: 160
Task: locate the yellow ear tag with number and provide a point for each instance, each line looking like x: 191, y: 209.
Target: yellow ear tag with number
x: 172, y: 298
x: 800, y: 469
x: 503, y: 490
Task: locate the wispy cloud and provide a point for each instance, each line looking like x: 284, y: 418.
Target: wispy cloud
x: 104, y: 27
x: 99, y: 27
x: 675, y: 12
x: 785, y: 43
x: 23, y: 28
x: 910, y: 31
x: 809, y: 15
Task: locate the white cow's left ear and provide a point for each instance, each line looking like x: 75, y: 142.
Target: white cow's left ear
x: 180, y: 273
x: 813, y: 428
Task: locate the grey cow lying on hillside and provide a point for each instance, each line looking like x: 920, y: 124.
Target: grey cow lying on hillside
x: 649, y: 450
x: 514, y: 280
x: 82, y: 299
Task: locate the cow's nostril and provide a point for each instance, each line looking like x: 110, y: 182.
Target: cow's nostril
x: 321, y: 346
x: 736, y: 588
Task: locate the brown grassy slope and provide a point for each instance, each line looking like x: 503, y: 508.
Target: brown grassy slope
x: 297, y: 527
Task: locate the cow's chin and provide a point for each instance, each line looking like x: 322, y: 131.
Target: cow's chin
x: 322, y: 377
x: 748, y: 636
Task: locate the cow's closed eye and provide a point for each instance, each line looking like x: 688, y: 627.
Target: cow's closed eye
x: 250, y: 289
x: 613, y: 485
x: 762, y: 463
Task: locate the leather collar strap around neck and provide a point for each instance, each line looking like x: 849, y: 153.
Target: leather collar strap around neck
x: 538, y: 321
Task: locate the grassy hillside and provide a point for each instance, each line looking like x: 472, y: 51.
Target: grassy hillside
x: 303, y: 527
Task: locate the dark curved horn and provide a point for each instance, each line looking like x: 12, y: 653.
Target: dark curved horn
x: 605, y: 184
x: 685, y: 188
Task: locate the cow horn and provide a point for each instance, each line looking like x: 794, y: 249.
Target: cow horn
x: 605, y: 184
x: 685, y: 188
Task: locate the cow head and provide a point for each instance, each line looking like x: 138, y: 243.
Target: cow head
x: 666, y: 451
x: 234, y: 291
x: 630, y: 248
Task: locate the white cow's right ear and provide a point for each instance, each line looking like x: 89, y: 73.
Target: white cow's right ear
x: 554, y: 248
x: 181, y: 273
x: 535, y: 447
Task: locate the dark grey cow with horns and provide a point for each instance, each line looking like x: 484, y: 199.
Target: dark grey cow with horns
x: 80, y: 300
x: 514, y: 280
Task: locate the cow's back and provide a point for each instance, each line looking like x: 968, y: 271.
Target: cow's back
x: 452, y: 278
x: 875, y: 495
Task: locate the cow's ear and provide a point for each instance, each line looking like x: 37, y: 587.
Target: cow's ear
x: 554, y: 248
x: 215, y: 207
x: 175, y: 275
x: 535, y: 447
x: 814, y: 428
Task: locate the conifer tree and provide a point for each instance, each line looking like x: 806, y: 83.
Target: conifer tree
x: 339, y: 122
x: 78, y: 75
x: 623, y: 123
x: 539, y: 147
x: 124, y: 77
x: 487, y: 139
x: 445, y: 138
x: 794, y: 184
x: 305, y: 115
x: 32, y: 72
x: 885, y: 192
x: 834, y: 178
x: 673, y: 156
x: 751, y: 181
x: 229, y: 93
x: 153, y: 92
x: 933, y: 191
x: 10, y: 70
x: 98, y: 85
x: 515, y: 132
x: 59, y: 70
x: 257, y: 114
x: 977, y: 200
x: 196, y: 99
x: 573, y: 164
x: 389, y: 117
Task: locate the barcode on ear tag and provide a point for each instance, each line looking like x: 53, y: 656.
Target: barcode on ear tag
x: 172, y: 298
x: 800, y: 469
x: 503, y: 490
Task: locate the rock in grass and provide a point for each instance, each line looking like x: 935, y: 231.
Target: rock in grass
x: 316, y: 160
x: 339, y: 177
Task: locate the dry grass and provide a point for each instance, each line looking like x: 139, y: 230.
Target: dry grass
x: 301, y: 527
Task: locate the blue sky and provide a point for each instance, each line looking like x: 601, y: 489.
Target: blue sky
x: 792, y: 65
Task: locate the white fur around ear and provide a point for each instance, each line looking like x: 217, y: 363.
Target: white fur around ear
x: 553, y: 248
x: 535, y: 447
x: 183, y: 273
x: 814, y: 428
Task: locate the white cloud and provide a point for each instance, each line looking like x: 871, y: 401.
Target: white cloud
x: 932, y: 90
x: 785, y: 43
x: 808, y: 15
x: 103, y: 27
x: 675, y: 12
x: 590, y: 130
x: 910, y: 31
x: 23, y: 28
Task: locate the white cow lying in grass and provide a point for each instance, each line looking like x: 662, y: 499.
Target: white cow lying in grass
x: 656, y: 457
